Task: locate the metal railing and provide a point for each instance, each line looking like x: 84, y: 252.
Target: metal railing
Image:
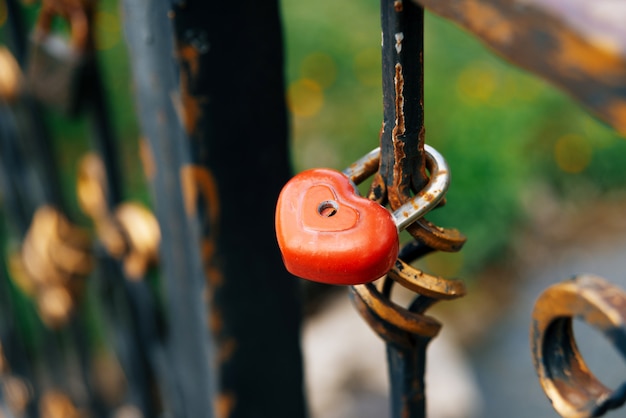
x: 216, y: 334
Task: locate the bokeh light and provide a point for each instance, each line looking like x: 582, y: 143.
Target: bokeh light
x: 367, y: 67
x: 305, y: 97
x: 572, y: 153
x: 481, y: 83
x: 319, y: 67
x: 477, y: 83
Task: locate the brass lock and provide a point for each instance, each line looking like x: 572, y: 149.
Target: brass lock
x: 57, y: 66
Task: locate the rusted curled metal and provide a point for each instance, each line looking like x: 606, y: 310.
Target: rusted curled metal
x: 582, y: 44
x: 52, y: 265
x: 376, y: 305
x: 567, y: 381
x: 130, y: 233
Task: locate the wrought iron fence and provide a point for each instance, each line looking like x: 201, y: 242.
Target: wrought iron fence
x: 223, y: 316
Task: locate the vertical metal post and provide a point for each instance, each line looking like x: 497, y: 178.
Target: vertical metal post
x: 403, y: 160
x: 407, y: 366
x: 403, y: 167
x: 188, y: 343
x: 402, y: 172
x: 209, y: 80
x: 233, y: 107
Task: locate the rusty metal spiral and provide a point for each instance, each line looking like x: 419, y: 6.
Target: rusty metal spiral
x: 572, y: 388
x: 403, y: 172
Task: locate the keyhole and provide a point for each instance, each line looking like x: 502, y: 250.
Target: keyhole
x: 328, y: 208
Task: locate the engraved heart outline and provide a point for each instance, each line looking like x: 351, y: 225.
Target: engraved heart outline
x: 319, y: 248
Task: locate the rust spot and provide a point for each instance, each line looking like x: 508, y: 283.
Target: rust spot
x: 378, y: 189
x: 224, y: 405
x: 399, y: 129
x: 398, y: 6
x: 216, y: 322
x: 214, y: 274
x: 188, y: 107
x: 487, y: 21
x: 191, y: 57
x: 198, y: 182
x: 226, y: 350
x: 398, y: 81
x: 147, y: 159
x: 574, y: 56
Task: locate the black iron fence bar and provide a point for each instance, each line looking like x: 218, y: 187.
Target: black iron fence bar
x: 403, y: 164
x: 188, y: 344
x: 232, y: 90
x: 41, y: 151
x: 403, y: 174
x: 403, y: 167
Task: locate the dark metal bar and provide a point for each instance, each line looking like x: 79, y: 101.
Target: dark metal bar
x: 407, y: 390
x: 403, y: 163
x: 402, y: 173
x: 15, y: 178
x: 105, y: 140
x: 188, y: 343
x: 232, y: 90
x: 131, y: 311
x: 38, y: 139
x: 17, y: 30
x: 403, y: 170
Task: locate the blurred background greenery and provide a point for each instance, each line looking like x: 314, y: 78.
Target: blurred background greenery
x: 513, y: 142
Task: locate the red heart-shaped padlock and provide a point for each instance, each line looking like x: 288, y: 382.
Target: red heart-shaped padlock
x: 329, y: 234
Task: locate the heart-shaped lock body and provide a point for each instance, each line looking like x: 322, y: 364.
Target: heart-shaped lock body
x: 329, y: 234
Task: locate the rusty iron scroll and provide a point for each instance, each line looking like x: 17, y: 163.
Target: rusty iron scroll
x: 566, y: 379
x: 577, y: 45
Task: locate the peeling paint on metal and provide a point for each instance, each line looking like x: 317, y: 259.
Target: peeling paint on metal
x: 399, y: 129
x: 399, y: 38
x: 227, y: 349
x: 190, y: 56
x: 224, y: 405
x: 197, y: 182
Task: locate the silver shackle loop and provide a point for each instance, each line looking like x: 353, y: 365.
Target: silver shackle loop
x: 425, y: 200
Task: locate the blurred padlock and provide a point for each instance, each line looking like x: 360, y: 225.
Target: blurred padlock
x: 10, y: 76
x: 328, y: 233
x: 130, y: 232
x: 57, y: 65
